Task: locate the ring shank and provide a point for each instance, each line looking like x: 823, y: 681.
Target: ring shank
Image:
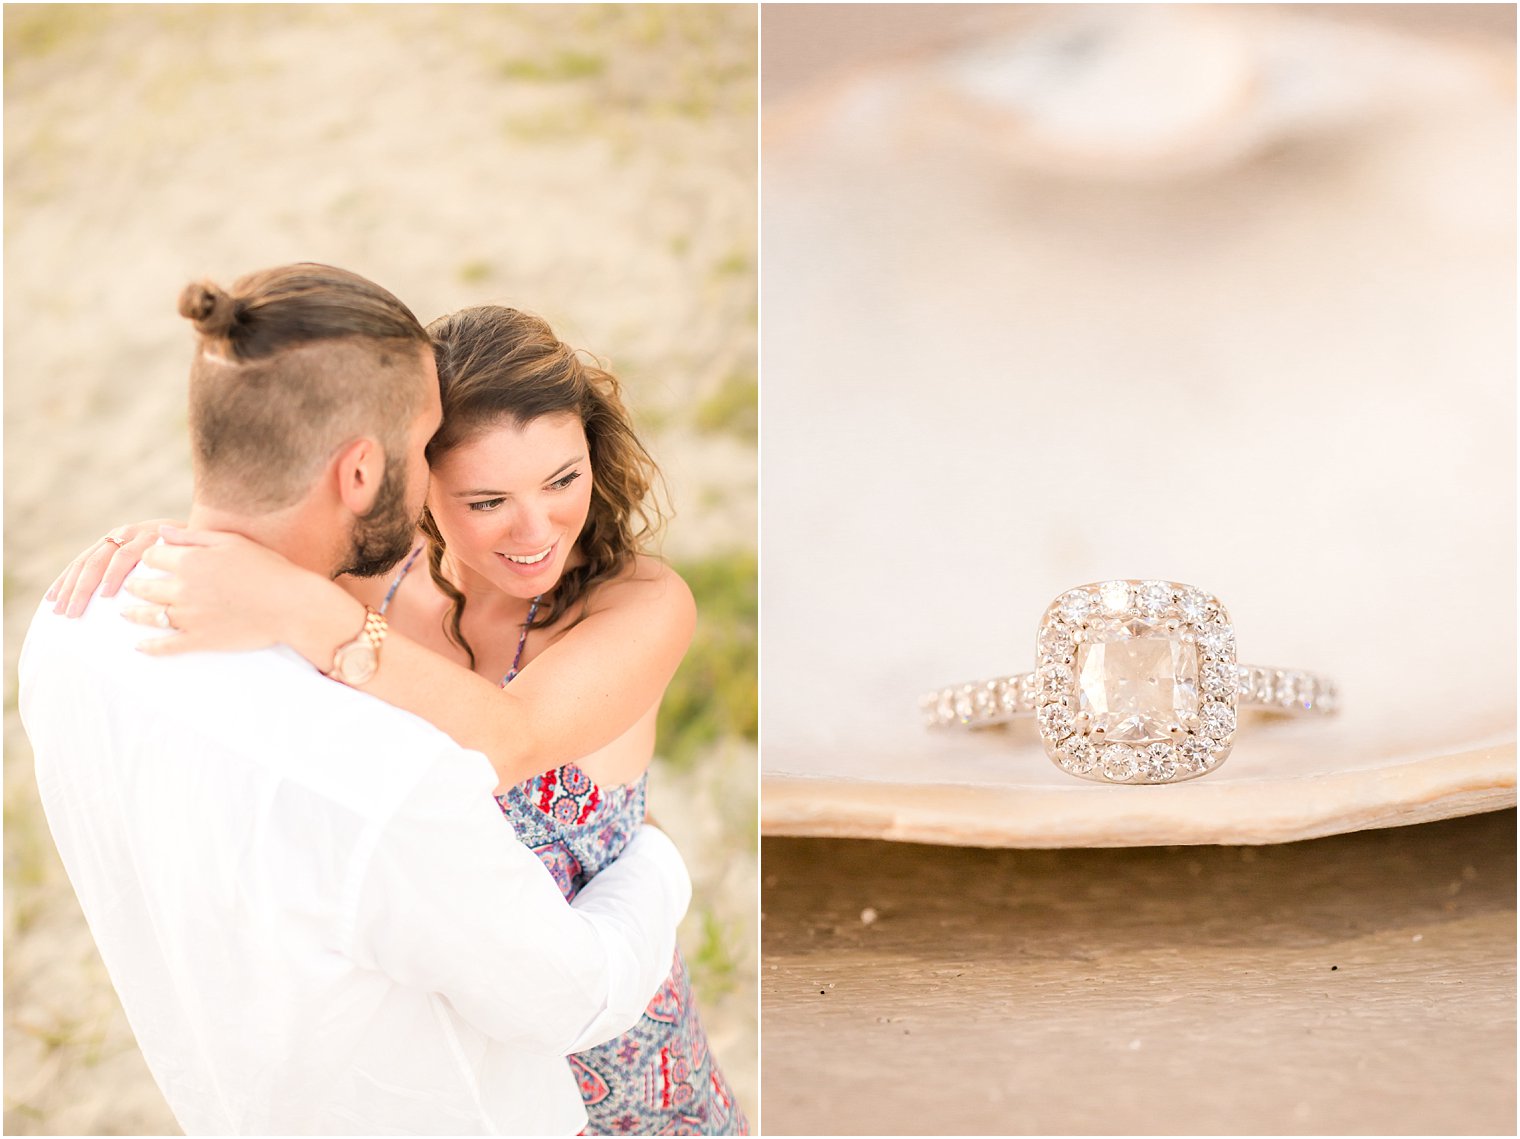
x: 983, y: 703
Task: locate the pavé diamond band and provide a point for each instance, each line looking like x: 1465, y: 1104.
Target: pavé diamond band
x: 1137, y: 682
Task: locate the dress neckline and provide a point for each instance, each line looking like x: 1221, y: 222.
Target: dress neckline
x: 522, y: 639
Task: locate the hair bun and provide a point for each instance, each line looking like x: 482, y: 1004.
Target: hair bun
x: 211, y: 309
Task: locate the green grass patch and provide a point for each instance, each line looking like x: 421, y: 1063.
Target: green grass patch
x: 705, y: 56
x: 474, y: 272
x: 25, y: 855
x: 567, y: 120
x: 564, y: 66
x: 734, y: 264
x: 714, y: 693
x: 733, y: 409
x: 63, y: 1032
x: 698, y: 103
x: 714, y: 971
x: 36, y: 30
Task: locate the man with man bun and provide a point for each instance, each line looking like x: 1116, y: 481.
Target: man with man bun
x: 307, y: 899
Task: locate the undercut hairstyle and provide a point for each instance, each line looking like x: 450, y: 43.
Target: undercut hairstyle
x: 499, y: 366
x: 291, y: 364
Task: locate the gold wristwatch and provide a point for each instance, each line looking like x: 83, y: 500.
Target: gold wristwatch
x: 355, y: 663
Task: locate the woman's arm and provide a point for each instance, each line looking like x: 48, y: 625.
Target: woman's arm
x: 594, y: 682
x: 580, y: 693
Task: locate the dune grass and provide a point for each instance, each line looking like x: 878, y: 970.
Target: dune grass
x: 733, y: 409
x: 714, y: 694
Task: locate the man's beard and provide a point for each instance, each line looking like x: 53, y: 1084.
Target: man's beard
x: 383, y: 536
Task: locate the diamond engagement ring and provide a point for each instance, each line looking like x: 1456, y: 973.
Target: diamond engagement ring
x: 1137, y: 682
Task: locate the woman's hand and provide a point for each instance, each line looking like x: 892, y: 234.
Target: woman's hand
x: 226, y: 592
x: 104, y: 566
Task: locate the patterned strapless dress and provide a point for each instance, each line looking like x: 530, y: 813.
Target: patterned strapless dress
x: 658, y: 1078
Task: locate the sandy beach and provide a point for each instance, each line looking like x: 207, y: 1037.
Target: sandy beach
x: 594, y: 165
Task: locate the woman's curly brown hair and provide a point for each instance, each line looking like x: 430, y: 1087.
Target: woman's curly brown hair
x: 500, y: 365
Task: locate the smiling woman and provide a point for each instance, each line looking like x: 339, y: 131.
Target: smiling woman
x: 509, y: 514
x: 526, y: 415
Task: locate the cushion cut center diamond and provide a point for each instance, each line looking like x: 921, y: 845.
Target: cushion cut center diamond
x: 1136, y: 678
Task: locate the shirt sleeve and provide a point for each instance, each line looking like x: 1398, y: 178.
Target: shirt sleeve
x: 448, y: 901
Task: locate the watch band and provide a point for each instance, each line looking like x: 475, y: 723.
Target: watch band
x: 375, y: 627
x: 355, y: 661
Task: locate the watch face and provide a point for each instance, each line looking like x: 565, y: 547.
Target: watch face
x: 355, y: 662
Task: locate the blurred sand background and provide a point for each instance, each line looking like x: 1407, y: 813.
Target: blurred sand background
x: 593, y: 164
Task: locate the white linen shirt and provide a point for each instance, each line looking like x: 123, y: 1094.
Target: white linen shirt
x: 310, y: 905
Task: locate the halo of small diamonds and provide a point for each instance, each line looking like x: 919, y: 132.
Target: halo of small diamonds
x: 1086, y: 705
x: 1135, y: 682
